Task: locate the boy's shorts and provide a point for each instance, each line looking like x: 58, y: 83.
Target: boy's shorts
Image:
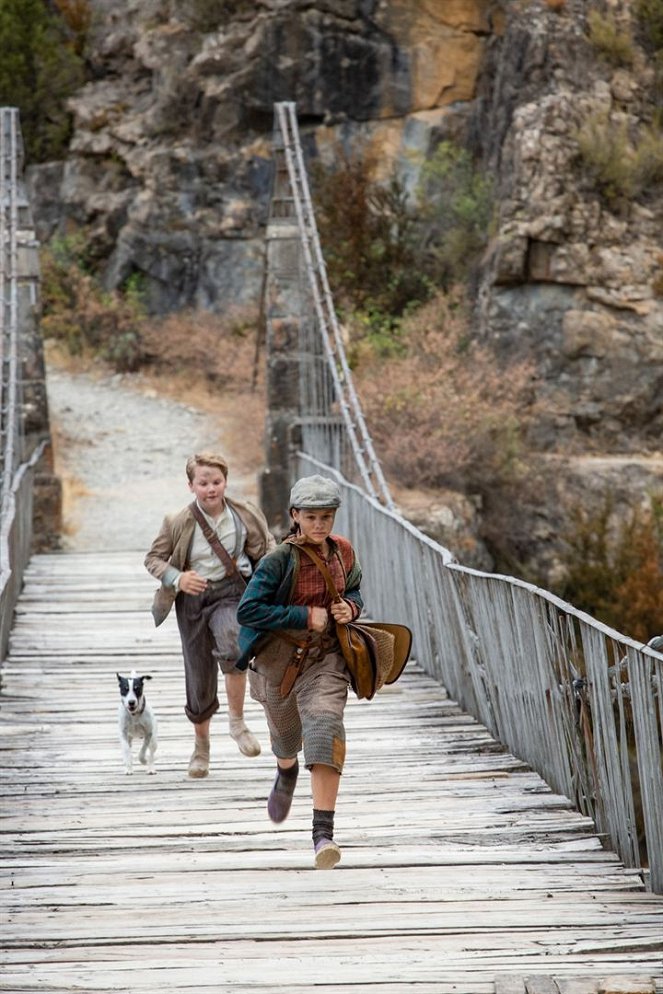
x: 208, y: 630
x: 312, y: 713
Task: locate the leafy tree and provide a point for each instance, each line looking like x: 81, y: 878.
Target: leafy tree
x: 370, y: 239
x: 39, y: 70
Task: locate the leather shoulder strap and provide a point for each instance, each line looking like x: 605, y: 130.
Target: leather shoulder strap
x: 213, y: 539
x: 331, y: 586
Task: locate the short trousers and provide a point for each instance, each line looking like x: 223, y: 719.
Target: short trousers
x: 312, y: 713
x: 208, y: 629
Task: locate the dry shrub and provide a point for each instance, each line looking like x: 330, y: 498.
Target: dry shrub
x: 114, y: 325
x: 219, y: 349
x: 613, y: 43
x: 212, y: 359
x: 622, y: 166
x: 371, y: 239
x: 657, y: 283
x: 445, y: 414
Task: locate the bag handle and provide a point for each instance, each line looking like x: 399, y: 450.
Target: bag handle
x: 213, y: 539
x: 331, y: 586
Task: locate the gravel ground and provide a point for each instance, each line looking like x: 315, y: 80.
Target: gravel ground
x: 121, y: 450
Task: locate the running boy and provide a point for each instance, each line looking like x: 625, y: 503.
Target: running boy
x: 203, y: 556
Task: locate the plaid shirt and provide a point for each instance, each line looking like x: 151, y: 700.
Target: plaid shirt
x: 310, y: 588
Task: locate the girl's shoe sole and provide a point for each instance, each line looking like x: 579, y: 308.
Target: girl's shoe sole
x: 327, y: 857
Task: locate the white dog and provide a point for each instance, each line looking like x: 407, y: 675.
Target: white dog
x: 136, y: 720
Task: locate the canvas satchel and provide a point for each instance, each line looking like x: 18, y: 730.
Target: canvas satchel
x: 375, y: 652
x: 281, y: 657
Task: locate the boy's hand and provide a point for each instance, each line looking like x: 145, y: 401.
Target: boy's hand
x: 341, y: 612
x: 191, y: 583
x: 319, y: 618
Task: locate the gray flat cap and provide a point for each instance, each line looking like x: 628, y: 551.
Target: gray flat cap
x: 315, y: 491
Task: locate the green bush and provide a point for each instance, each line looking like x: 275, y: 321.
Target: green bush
x: 456, y: 205
x: 386, y: 253
x: 620, y: 166
x: 39, y: 70
x: 650, y: 16
x: 84, y: 317
x: 649, y: 159
x: 607, y: 157
x: 615, y: 571
x: 612, y: 44
x: 371, y: 244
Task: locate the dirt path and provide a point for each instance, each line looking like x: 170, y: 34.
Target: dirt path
x: 121, y: 449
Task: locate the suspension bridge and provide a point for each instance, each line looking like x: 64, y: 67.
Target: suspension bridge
x: 501, y: 815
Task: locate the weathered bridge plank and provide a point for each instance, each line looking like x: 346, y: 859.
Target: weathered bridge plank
x: 459, y: 865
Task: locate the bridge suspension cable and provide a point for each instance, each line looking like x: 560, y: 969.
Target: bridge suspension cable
x: 322, y: 398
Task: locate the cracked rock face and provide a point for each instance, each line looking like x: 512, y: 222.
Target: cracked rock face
x: 169, y: 171
x: 570, y: 278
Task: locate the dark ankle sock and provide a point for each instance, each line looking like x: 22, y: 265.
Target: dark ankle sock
x: 290, y: 773
x: 323, y: 825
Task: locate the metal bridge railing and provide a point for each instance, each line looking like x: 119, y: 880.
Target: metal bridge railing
x: 10, y: 441
x: 16, y: 466
x: 577, y: 701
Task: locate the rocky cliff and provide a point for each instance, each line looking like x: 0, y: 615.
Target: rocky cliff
x: 169, y: 174
x: 169, y: 167
x: 573, y: 276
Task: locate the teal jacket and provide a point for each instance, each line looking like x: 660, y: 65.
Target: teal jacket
x: 266, y: 603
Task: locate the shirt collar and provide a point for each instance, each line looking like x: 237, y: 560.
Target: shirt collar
x: 213, y: 521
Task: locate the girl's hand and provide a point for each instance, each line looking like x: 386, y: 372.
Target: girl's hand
x: 342, y: 612
x: 191, y: 583
x: 319, y: 619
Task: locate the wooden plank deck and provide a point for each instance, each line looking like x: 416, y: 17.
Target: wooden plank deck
x: 461, y: 871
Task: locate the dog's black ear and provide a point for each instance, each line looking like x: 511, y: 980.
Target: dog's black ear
x: 146, y: 677
x: 119, y: 678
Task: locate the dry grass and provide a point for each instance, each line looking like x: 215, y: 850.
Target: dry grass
x: 613, y: 566
x: 218, y: 349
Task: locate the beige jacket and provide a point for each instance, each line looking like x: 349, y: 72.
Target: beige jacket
x: 169, y: 551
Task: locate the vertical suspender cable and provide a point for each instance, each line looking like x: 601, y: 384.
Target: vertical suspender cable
x: 320, y: 271
x: 357, y: 432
